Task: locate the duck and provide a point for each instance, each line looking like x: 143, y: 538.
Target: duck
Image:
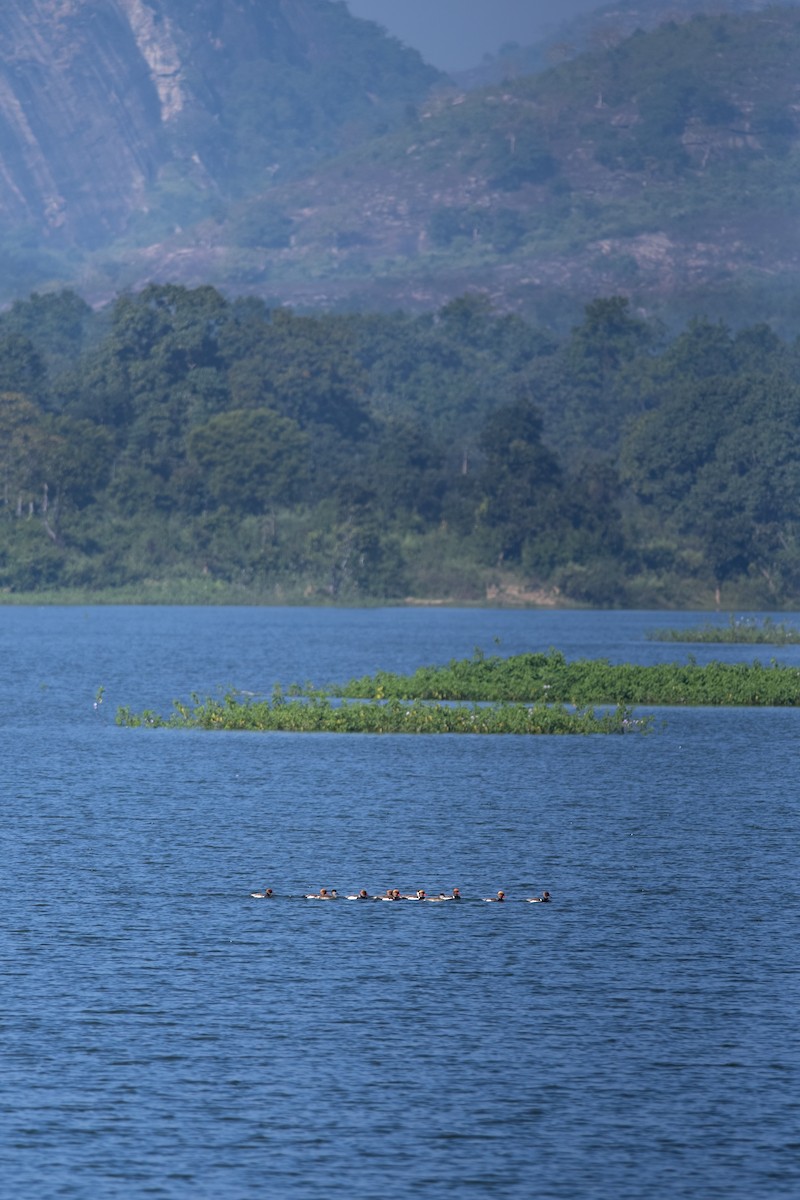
x: 498, y: 899
x: 265, y: 895
x: 323, y: 894
x: 543, y: 899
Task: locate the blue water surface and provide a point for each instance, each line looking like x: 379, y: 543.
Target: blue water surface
x: 162, y: 1034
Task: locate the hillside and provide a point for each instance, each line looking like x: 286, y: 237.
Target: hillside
x: 665, y: 167
x: 598, y: 28
x: 123, y: 115
x: 287, y: 150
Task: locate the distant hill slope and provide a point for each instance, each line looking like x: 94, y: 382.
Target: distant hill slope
x: 597, y: 28
x: 113, y: 108
x: 666, y: 168
x: 285, y: 149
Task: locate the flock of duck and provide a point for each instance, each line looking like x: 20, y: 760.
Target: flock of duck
x: 396, y: 894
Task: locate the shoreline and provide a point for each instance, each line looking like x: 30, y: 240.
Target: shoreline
x: 189, y: 596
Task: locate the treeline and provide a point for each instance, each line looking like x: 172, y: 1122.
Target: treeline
x: 180, y: 437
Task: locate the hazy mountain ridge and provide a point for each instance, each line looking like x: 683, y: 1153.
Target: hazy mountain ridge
x: 113, y: 107
x: 599, y: 28
x: 665, y: 166
x: 286, y: 149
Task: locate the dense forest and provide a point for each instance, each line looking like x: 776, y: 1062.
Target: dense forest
x: 178, y: 439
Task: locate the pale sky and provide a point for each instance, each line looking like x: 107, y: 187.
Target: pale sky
x: 455, y: 34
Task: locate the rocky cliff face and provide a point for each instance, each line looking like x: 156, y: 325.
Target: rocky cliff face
x: 80, y: 115
x: 98, y: 98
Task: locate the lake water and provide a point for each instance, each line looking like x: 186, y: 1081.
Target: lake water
x: 164, y: 1035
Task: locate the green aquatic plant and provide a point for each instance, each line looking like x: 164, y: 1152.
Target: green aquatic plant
x: 316, y: 713
x: 551, y: 679
x: 739, y: 630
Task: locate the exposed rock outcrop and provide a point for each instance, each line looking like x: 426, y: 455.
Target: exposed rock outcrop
x: 98, y: 98
x: 80, y: 116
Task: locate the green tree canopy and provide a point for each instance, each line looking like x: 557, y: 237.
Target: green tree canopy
x: 251, y: 459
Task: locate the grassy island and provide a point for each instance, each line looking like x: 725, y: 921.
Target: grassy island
x: 318, y: 714
x: 550, y: 678
x: 523, y: 694
x: 739, y: 630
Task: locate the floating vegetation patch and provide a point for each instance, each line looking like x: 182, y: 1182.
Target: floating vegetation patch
x: 745, y: 630
x: 550, y: 678
x: 319, y: 714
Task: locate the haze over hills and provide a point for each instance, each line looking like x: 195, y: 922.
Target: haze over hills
x: 288, y: 150
x: 113, y: 111
x: 665, y: 168
x: 593, y: 28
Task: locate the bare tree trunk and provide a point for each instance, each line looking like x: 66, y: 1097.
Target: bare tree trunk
x: 49, y: 529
